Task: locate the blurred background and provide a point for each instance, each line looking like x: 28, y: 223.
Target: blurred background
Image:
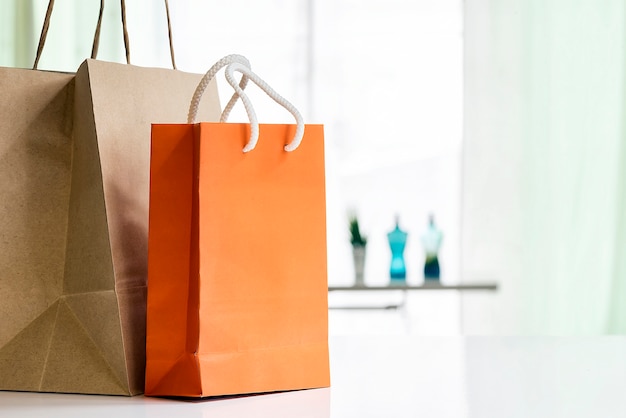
x: 504, y: 119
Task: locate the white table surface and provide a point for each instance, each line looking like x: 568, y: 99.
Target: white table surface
x: 406, y: 376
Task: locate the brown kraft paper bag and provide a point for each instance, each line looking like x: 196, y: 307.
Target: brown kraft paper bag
x: 74, y: 187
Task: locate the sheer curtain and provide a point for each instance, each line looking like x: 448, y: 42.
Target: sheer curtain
x: 544, y: 185
x: 16, y: 34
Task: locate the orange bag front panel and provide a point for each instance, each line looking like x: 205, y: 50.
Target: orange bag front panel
x: 247, y: 267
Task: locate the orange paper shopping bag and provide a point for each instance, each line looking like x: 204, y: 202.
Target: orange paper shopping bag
x: 237, y: 287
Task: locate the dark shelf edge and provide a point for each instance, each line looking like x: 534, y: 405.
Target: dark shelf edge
x: 462, y: 287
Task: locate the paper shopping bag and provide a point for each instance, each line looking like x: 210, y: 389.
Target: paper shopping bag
x: 74, y: 173
x: 74, y: 181
x: 237, y: 262
x: 237, y: 285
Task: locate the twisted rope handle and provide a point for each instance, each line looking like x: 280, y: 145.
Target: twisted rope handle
x: 241, y: 64
x: 254, y: 123
x: 44, y: 33
x: 169, y: 33
x: 96, y: 37
x: 125, y: 31
x: 197, y: 95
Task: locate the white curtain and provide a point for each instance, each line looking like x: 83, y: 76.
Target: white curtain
x: 544, y: 185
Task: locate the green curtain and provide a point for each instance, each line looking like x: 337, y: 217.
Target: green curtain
x: 16, y: 33
x: 545, y: 92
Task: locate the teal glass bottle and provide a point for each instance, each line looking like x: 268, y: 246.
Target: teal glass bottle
x: 397, y: 242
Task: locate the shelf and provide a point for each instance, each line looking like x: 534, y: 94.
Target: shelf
x: 486, y: 286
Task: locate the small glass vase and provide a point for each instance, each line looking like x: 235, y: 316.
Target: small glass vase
x: 358, y: 255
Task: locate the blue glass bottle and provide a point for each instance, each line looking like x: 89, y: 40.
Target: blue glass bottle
x: 397, y: 242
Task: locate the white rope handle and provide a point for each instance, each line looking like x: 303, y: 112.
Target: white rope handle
x: 197, y: 96
x: 242, y: 65
x: 254, y: 123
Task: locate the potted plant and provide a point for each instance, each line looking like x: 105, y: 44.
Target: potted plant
x: 359, y: 243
